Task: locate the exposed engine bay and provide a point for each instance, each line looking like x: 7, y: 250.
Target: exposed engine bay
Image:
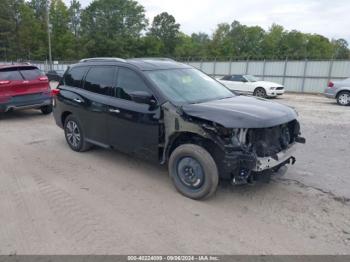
x: 243, y: 155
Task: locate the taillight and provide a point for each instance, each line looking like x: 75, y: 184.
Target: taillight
x: 43, y: 78
x: 330, y: 84
x: 55, y: 92
x: 4, y: 82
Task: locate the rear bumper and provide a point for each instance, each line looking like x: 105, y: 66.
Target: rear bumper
x: 329, y: 93
x: 26, y: 102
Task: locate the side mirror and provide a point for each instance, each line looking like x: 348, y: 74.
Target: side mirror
x: 142, y: 97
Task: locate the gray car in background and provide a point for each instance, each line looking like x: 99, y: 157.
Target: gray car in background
x: 340, y: 91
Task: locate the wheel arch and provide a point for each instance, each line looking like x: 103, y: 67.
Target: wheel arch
x: 345, y: 90
x: 185, y: 137
x: 64, y: 116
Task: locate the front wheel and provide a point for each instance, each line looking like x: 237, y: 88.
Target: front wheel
x: 343, y: 98
x: 193, y: 171
x: 260, y: 92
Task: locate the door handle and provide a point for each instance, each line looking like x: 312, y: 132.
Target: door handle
x: 116, y: 111
x: 77, y: 100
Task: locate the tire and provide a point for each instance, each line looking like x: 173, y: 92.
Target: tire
x: 46, y: 109
x: 189, y: 159
x: 343, y: 98
x: 260, y: 92
x: 75, y: 135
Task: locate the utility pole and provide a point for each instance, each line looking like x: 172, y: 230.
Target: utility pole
x: 48, y: 31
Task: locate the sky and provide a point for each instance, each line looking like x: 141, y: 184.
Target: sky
x: 325, y: 17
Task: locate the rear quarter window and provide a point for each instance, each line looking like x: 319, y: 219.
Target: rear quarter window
x: 10, y: 74
x: 75, y: 76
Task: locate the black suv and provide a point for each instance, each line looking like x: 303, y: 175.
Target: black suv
x: 172, y: 113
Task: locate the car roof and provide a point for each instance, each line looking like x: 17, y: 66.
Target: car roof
x: 3, y: 66
x: 143, y: 64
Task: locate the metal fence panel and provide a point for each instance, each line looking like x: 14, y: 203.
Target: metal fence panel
x: 238, y: 67
x: 295, y: 68
x: 296, y: 76
x: 293, y: 84
x: 195, y: 64
x: 222, y: 68
x: 275, y: 68
x: 208, y: 67
x: 256, y: 68
x: 341, y: 69
x: 318, y: 68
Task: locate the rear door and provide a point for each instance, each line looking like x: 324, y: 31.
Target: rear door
x: 98, y: 89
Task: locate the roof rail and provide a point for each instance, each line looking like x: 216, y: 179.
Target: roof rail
x: 154, y: 58
x: 98, y: 59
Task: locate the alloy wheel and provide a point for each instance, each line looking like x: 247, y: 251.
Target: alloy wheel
x: 344, y: 99
x: 73, y: 134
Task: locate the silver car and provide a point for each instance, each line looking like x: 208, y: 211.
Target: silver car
x: 340, y: 91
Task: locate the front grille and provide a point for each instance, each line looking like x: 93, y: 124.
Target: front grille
x: 280, y: 88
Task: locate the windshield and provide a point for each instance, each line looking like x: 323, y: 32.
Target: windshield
x: 188, y: 86
x: 251, y: 78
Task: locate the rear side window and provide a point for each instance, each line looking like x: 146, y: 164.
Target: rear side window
x: 10, y: 74
x: 75, y: 76
x: 30, y: 73
x: 128, y: 82
x: 100, y: 80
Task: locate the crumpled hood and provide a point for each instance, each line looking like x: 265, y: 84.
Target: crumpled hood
x: 242, y: 112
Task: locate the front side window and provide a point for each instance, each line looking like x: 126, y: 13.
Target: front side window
x: 10, y: 74
x: 30, y: 73
x: 100, y: 80
x: 183, y: 86
x: 129, y: 82
x: 75, y: 76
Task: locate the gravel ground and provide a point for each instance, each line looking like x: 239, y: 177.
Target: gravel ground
x: 56, y: 201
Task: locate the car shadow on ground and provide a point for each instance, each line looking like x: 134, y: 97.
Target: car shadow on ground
x: 25, y: 115
x: 157, y: 174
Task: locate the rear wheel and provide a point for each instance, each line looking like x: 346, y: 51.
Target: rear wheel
x: 343, y: 98
x: 193, y: 171
x: 75, y: 135
x: 46, y: 109
x: 260, y: 92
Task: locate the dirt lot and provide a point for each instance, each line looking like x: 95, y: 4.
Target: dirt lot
x: 56, y: 201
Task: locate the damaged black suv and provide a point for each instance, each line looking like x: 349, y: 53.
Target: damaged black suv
x: 171, y: 113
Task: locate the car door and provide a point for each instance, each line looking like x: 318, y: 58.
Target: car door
x: 133, y: 127
x: 98, y: 87
x: 85, y: 90
x: 239, y: 83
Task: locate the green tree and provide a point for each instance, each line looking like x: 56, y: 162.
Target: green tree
x: 63, y: 40
x: 112, y: 27
x: 165, y: 28
x: 318, y: 47
x: 272, y: 43
x: 340, y: 49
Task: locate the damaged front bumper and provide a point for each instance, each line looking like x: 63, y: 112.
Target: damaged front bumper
x: 283, y: 157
